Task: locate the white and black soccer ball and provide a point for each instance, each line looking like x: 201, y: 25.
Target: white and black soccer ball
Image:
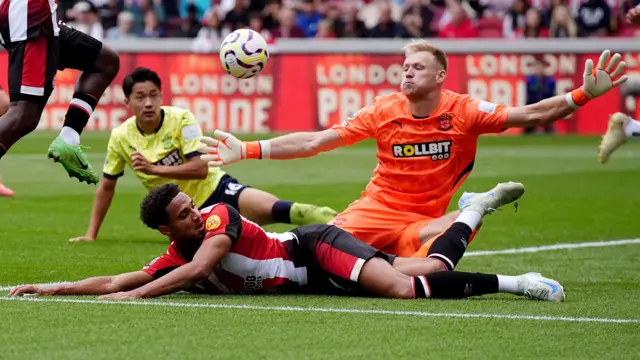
x: 243, y: 53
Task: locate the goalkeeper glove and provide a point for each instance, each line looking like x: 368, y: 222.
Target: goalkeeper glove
x: 599, y: 81
x: 226, y: 149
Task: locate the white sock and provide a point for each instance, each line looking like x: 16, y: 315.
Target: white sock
x: 508, y: 284
x: 470, y: 217
x: 632, y: 129
x: 70, y: 136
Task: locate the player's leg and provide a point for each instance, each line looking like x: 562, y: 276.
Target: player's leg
x: 474, y: 206
x: 264, y: 208
x: 380, y: 278
x: 4, y: 106
x: 99, y: 65
x: 32, y: 68
x: 621, y: 128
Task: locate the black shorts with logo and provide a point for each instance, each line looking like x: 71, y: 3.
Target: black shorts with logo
x: 228, y: 191
x: 334, y: 259
x: 33, y: 62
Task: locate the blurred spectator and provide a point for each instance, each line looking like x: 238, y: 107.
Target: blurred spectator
x: 152, y: 28
x: 533, y: 27
x: 210, y: 34
x: 287, y: 27
x: 325, y: 30
x: 540, y: 87
x: 594, y: 17
x: 139, y: 7
x: 417, y: 18
x: 108, y: 13
x: 308, y: 17
x: 460, y: 25
x: 353, y: 27
x: 257, y: 24
x: 85, y: 19
x: 562, y: 24
x: 386, y: 27
x: 515, y: 19
x: 190, y: 25
x: 492, y: 8
x: 238, y: 17
x: 270, y: 14
x: 197, y: 7
x: 125, y: 27
x: 335, y: 18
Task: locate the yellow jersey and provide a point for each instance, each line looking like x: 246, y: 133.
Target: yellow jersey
x: 174, y: 143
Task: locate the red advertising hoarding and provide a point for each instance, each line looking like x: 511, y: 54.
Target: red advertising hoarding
x: 309, y: 92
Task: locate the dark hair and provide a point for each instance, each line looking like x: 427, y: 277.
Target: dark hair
x: 139, y: 75
x: 153, y: 210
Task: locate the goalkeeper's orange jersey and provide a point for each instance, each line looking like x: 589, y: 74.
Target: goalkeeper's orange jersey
x: 422, y: 161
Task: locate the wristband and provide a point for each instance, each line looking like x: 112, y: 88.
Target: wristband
x: 577, y: 98
x: 252, y: 150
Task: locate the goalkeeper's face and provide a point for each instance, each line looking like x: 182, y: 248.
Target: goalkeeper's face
x: 422, y: 74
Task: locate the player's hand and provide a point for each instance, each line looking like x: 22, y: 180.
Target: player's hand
x: 123, y: 295
x: 140, y: 163
x: 605, y: 77
x: 225, y: 149
x: 633, y: 16
x: 85, y: 238
x: 30, y: 290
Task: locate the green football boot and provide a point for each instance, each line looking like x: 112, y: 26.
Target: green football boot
x: 73, y: 160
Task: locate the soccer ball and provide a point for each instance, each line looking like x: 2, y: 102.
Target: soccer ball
x: 243, y: 53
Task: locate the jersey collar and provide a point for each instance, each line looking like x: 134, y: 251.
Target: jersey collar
x: 159, y: 125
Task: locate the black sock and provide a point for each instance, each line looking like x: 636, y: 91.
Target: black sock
x: 281, y: 211
x: 456, y: 285
x: 451, y: 245
x: 2, y: 151
x: 80, y: 110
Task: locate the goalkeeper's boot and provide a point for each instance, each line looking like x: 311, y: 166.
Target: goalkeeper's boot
x: 306, y: 214
x: 490, y: 201
x: 536, y: 287
x: 614, y: 137
x: 73, y: 160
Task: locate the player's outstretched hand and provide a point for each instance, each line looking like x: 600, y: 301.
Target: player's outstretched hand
x: 223, y: 149
x: 123, y: 295
x: 28, y: 290
x: 608, y: 74
x: 633, y: 16
x: 84, y: 238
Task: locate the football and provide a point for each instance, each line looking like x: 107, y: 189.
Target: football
x: 243, y: 53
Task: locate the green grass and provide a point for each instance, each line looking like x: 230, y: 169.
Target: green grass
x: 569, y: 198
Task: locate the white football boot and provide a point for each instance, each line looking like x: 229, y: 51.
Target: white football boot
x: 490, y: 201
x: 537, y: 287
x: 614, y: 137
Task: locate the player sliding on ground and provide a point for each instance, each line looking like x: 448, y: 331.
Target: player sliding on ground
x: 39, y: 46
x: 159, y: 143
x: 217, y: 251
x: 426, y: 138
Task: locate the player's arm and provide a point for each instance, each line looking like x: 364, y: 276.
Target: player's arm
x: 607, y: 75
x: 112, y: 170
x: 225, y: 149
x: 633, y: 16
x: 204, y: 261
x: 189, y: 141
x: 92, y: 286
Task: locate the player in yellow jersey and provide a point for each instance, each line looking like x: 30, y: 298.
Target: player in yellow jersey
x: 160, y: 144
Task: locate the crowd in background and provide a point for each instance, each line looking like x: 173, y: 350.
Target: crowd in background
x: 207, y: 20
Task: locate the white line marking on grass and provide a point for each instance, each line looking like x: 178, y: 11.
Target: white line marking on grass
x: 326, y: 310
x: 536, y: 249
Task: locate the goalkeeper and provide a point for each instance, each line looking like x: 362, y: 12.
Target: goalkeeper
x: 426, y: 142
x: 160, y: 144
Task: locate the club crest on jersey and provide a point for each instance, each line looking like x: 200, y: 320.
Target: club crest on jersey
x: 437, y: 150
x: 444, y: 122
x: 213, y: 222
x: 166, y: 142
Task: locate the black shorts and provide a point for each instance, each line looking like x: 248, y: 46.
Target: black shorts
x: 33, y: 63
x: 334, y: 259
x: 228, y: 191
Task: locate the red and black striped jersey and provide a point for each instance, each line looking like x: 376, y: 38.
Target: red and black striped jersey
x: 257, y: 262
x: 26, y: 19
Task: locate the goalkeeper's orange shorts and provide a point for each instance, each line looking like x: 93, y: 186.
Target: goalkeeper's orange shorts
x: 388, y: 230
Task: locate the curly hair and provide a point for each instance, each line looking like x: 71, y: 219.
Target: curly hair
x: 153, y: 210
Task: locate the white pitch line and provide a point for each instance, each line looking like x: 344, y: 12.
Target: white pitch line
x: 536, y: 249
x: 327, y: 310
